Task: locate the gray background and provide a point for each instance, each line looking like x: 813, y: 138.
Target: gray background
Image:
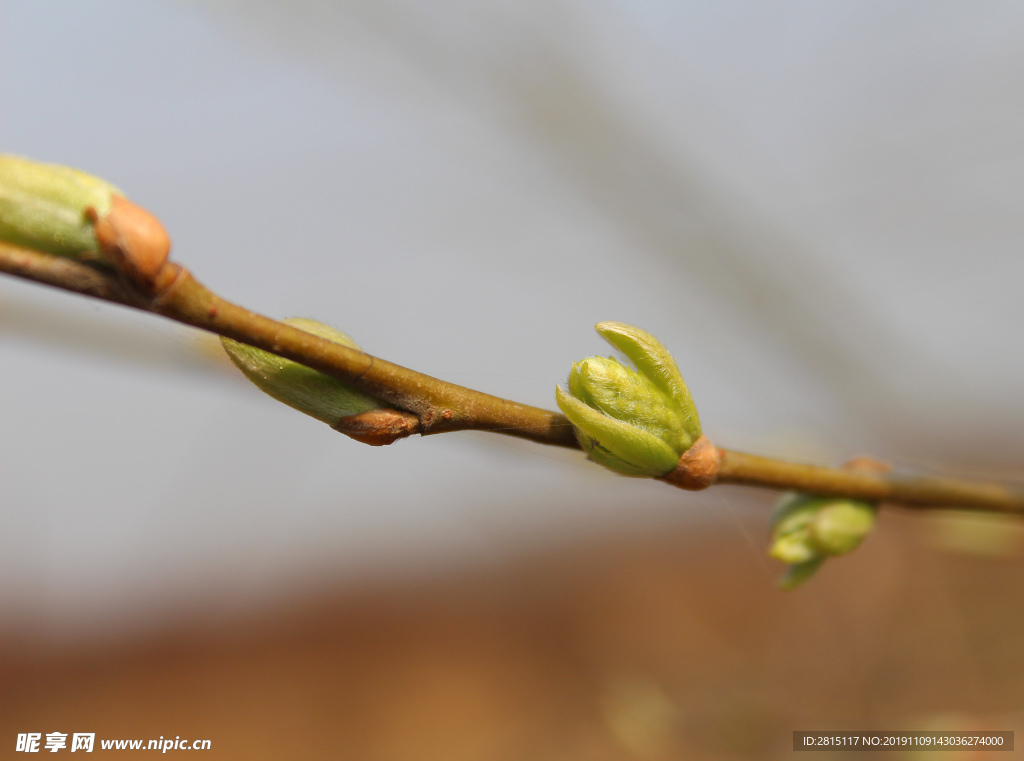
x: 817, y: 208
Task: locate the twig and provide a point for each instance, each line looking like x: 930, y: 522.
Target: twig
x: 754, y: 470
x: 441, y: 407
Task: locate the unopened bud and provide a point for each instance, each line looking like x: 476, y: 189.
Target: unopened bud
x: 307, y: 390
x: 806, y: 530
x: 841, y: 526
x: 63, y: 211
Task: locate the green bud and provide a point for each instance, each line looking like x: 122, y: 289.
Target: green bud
x: 791, y: 528
x: 635, y: 422
x: 654, y: 361
x: 307, y: 390
x: 58, y: 210
x: 45, y: 206
x: 842, y: 525
x: 806, y: 530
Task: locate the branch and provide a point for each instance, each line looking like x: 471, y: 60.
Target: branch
x: 435, y: 406
x: 440, y: 406
x: 754, y: 470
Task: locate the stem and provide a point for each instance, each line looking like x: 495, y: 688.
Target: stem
x: 442, y: 407
x: 754, y: 470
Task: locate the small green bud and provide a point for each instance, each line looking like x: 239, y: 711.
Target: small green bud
x: 44, y: 206
x: 635, y: 422
x: 310, y: 391
x: 59, y: 210
x: 791, y: 528
x: 806, y: 530
x: 842, y: 525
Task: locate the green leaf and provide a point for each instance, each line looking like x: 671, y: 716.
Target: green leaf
x: 797, y: 574
x: 623, y: 447
x: 654, y: 361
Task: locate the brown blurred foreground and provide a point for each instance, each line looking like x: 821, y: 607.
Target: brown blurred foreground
x: 639, y: 647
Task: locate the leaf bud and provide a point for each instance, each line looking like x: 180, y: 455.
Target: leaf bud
x: 64, y: 211
x: 307, y: 390
x: 635, y: 422
x: 807, y: 529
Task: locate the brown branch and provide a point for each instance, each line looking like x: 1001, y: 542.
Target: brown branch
x: 754, y: 470
x: 441, y: 407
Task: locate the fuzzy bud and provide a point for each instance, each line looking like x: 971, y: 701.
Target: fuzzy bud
x: 635, y: 422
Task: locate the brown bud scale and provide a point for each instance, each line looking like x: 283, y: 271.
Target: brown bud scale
x: 379, y: 427
x: 134, y: 240
x: 697, y: 469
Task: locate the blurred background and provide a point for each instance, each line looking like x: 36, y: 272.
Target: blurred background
x: 816, y: 207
